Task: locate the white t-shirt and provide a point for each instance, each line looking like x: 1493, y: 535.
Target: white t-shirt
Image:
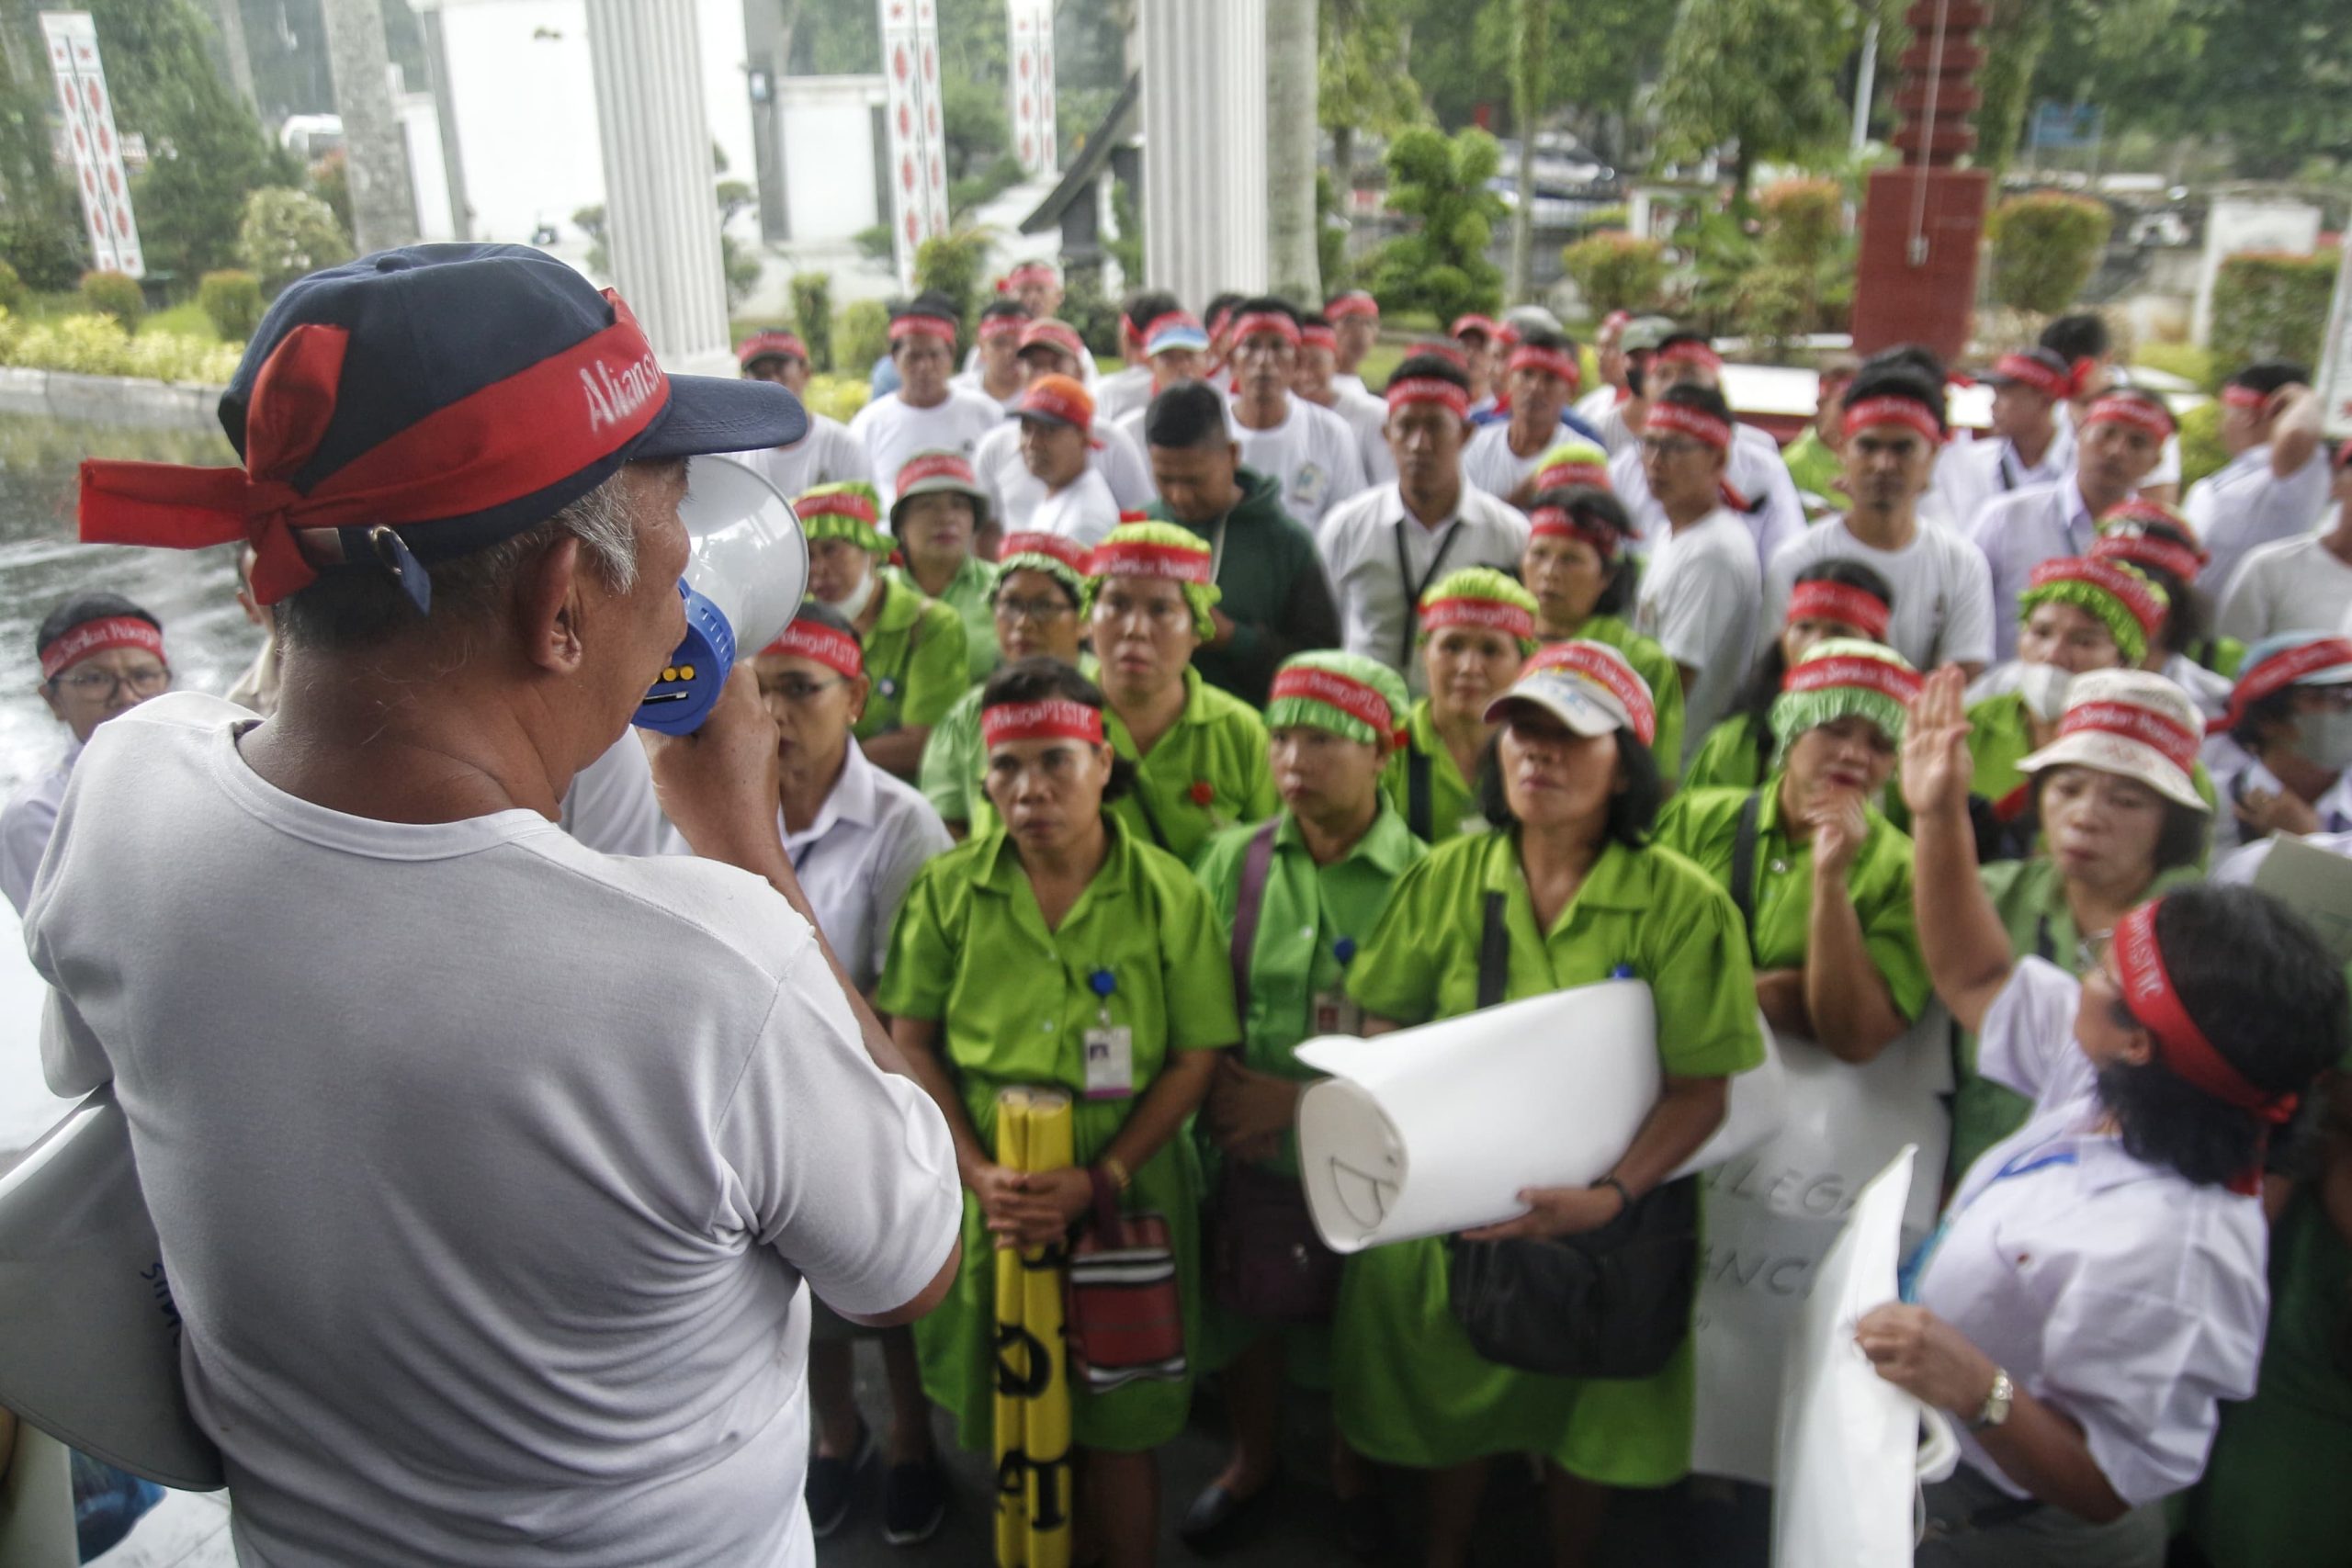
x: 487, y: 1168
x: 1312, y: 453
x: 1359, y: 545
x: 1970, y: 475
x: 892, y: 431
x: 1015, y: 493
x: 2244, y: 505
x: 1367, y: 417
x: 2115, y: 1290
x: 1943, y: 594
x: 859, y: 857
x: 2295, y: 585
x: 1754, y: 468
x: 1084, y: 509
x: 612, y: 807
x: 1123, y: 391
x: 828, y: 454
x: 1603, y: 410
x: 1699, y: 599
x: 970, y: 381
x: 1490, y: 464
x: 26, y: 823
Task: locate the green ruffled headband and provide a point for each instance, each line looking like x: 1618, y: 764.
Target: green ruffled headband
x: 1844, y: 678
x: 1479, y: 595
x: 1353, y: 698
x: 850, y: 510
x: 1157, y: 549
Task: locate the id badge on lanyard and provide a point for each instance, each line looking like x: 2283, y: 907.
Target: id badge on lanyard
x: 1334, y: 1011
x: 1110, y: 1047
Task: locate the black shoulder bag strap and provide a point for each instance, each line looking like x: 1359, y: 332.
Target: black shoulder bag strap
x: 1418, y: 808
x: 1248, y: 900
x: 1150, y: 818
x: 1494, y: 953
x: 1743, y: 864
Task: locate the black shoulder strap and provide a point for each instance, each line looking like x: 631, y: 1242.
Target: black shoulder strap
x: 1248, y: 900
x: 1743, y: 862
x: 1150, y: 818
x: 1494, y: 955
x: 1417, y: 809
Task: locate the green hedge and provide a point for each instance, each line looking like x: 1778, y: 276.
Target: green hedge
x: 115, y: 295
x: 232, y: 301
x: 2268, y: 306
x: 97, y: 345
x: 1616, y: 271
x: 2045, y: 247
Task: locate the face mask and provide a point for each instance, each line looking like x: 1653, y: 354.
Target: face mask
x: 2043, y: 687
x: 2325, y: 740
x: 849, y: 609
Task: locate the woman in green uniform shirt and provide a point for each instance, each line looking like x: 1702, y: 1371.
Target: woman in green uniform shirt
x: 1577, y: 565
x: 940, y: 512
x: 1304, y: 891
x: 914, y: 646
x: 1033, y: 599
x: 1573, y: 789
x: 1833, y: 598
x: 1477, y: 628
x: 1199, y: 754
x: 2121, y: 821
x: 1010, y: 951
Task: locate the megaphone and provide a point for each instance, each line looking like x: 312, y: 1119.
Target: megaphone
x: 742, y: 586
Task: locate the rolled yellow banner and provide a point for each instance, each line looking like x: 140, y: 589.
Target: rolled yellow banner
x: 1034, y: 1501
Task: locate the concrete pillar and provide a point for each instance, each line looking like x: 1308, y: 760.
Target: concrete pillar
x: 661, y: 206
x: 1204, y: 146
x: 375, y: 151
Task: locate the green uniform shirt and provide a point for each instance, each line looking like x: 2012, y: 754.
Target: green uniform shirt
x: 1014, y: 1000
x: 968, y: 595
x: 1816, y: 469
x: 1308, y: 916
x: 1449, y: 809
x: 953, y: 762
x: 1731, y: 757
x: 1650, y: 662
x: 1414, y: 1391
x: 1705, y: 825
x: 1207, y: 772
x: 914, y: 656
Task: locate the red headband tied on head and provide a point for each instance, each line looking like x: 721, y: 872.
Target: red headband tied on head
x: 771, y: 344
x: 1853, y: 670
x: 1554, y: 361
x: 78, y: 643
x: 1607, y: 669
x: 939, y: 327
x: 511, y: 439
x: 2278, y: 672
x: 1843, y: 604
x: 1319, y: 337
x: 1558, y: 476
x: 1410, y: 389
x: 1493, y: 615
x: 995, y: 327
x: 809, y: 639
x: 2182, y: 1048
x: 1905, y: 412
x: 1027, y: 272
x: 1559, y: 523
x: 1257, y: 321
x: 1138, y: 558
x: 1359, y: 700
x: 2138, y: 412
x: 1053, y: 334
x: 1055, y: 718
x: 2242, y: 397
x: 934, y: 466
x: 2024, y: 369
x: 1483, y: 325
x: 1694, y: 422
x: 1692, y: 353
x: 1354, y: 303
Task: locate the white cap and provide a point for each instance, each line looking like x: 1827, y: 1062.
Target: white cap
x: 2133, y: 723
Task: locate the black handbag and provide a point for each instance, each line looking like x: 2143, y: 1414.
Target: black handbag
x: 1613, y: 1302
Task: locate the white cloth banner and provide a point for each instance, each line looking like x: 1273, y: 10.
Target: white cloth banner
x: 918, y: 168
x: 81, y: 78
x: 1030, y: 85
x: 1772, y: 1213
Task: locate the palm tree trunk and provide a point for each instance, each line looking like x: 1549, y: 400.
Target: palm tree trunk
x: 375, y: 156
x: 1291, y: 260
x: 1529, y: 49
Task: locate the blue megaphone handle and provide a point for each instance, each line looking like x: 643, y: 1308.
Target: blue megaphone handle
x: 681, y: 699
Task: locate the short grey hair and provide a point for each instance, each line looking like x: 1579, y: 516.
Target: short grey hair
x: 353, y: 609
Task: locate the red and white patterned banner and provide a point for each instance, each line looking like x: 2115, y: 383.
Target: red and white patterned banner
x: 1030, y: 87
x: 917, y: 169
x: 73, y: 40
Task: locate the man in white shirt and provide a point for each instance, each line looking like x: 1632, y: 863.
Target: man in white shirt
x: 1599, y: 407
x: 1054, y: 428
x: 1383, y: 549
x: 1539, y: 375
x: 2028, y: 446
x: 996, y: 371
x: 2299, y: 584
x: 1127, y: 390
x: 488, y: 1169
x: 2123, y: 435
x: 1036, y: 287
x: 1175, y: 349
x: 1310, y: 452
x: 2275, y: 485
x: 925, y: 414
x: 100, y: 656
x: 1355, y: 322
x: 1481, y: 340
x: 1050, y: 348
x: 1701, y: 588
x: 2082, y: 342
x: 1943, y: 600
x: 1317, y: 381
x: 1756, y: 487
x: 828, y: 454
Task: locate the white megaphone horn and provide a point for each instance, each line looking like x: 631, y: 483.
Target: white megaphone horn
x: 742, y: 586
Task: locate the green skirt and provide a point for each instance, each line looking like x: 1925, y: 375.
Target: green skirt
x: 1410, y: 1391
x: 955, y: 1342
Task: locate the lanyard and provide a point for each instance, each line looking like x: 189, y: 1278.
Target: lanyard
x: 2008, y: 479
x: 2037, y: 1158
x: 1413, y: 591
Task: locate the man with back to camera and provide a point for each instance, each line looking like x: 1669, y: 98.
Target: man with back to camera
x: 2273, y: 487
x: 487, y: 1168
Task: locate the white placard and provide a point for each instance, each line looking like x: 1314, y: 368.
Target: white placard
x: 88, y: 111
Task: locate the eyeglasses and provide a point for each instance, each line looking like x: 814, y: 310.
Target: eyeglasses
x: 796, y: 690
x: 101, y: 684
x: 1039, y: 610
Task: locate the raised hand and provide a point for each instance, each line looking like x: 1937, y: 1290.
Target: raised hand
x: 1937, y: 767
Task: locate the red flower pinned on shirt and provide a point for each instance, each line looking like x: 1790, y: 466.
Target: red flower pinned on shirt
x: 1203, y: 792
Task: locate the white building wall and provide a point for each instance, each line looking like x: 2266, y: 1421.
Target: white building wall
x: 826, y: 129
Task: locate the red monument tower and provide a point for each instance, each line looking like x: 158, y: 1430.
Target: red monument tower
x: 1922, y: 223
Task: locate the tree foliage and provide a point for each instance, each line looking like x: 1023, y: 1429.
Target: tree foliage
x: 1441, y: 265
x: 286, y: 234
x: 2045, y: 246
x: 1760, y: 74
x: 2271, y: 307
x: 1616, y: 271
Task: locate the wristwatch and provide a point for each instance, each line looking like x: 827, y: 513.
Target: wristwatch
x: 1996, y: 1402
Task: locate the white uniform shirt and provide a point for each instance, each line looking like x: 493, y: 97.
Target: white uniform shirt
x: 971, y: 381
x: 1312, y: 453
x: 1367, y: 417
x: 1379, y: 610
x: 1699, y: 598
x: 1083, y: 510
x: 488, y: 1169
x: 2234, y: 773
x: 828, y: 454
x: 1015, y: 493
x: 1971, y: 475
x: 25, y: 825
x: 1604, y: 411
x: 892, y: 430
x: 2244, y: 505
x: 2240, y: 868
x: 1754, y: 468
x: 2114, y: 1289
x: 858, y: 858
x: 2294, y: 585
x: 2016, y: 533
x: 1944, y: 597
x: 1122, y: 392
x: 1490, y: 464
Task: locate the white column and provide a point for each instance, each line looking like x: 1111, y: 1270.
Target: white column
x: 661, y: 201
x: 1030, y: 85
x: 918, y: 174
x: 1203, y: 146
